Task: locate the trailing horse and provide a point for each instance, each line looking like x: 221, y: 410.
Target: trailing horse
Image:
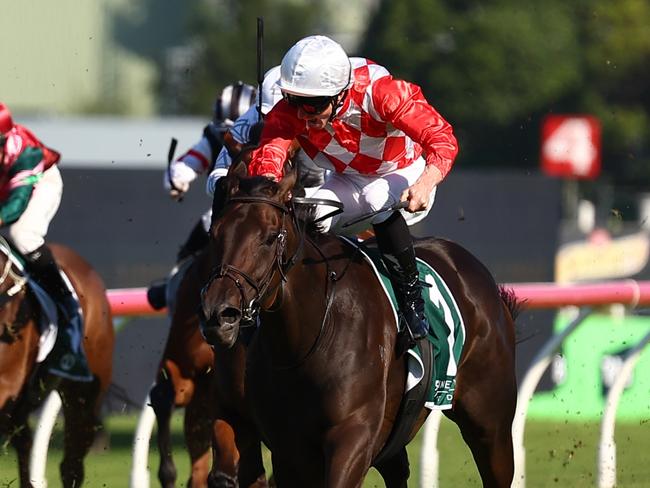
x: 211, y: 388
x: 24, y: 382
x: 324, y: 381
x: 184, y: 381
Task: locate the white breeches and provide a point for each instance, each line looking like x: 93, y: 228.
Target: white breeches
x: 361, y: 194
x: 29, y: 231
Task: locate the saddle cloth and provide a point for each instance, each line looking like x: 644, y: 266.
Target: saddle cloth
x: 447, y: 329
x: 48, y: 325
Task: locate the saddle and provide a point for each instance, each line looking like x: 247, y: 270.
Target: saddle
x: 432, y: 362
x: 60, y: 343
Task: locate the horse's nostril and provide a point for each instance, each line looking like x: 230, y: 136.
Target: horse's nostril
x: 229, y: 316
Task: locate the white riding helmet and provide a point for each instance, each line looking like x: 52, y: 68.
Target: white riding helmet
x: 271, y: 93
x: 315, y: 66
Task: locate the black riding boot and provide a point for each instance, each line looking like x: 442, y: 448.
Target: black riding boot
x: 68, y: 358
x: 396, y: 247
x: 197, y: 240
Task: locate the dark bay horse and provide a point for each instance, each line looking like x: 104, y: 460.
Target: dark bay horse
x: 211, y: 388
x: 23, y: 384
x: 323, y: 379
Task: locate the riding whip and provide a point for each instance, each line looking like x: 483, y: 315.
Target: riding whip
x: 260, y: 63
x: 170, y: 158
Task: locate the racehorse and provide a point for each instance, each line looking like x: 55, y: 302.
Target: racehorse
x: 184, y: 381
x: 211, y: 390
x: 324, y: 381
x: 24, y: 384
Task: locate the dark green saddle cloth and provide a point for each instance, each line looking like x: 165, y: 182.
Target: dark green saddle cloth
x: 447, y: 334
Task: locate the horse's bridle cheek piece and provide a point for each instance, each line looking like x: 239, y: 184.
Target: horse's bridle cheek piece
x: 250, y: 309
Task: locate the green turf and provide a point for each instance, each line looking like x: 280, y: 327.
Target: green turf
x: 558, y: 455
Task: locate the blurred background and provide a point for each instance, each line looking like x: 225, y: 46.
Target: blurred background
x: 549, y: 101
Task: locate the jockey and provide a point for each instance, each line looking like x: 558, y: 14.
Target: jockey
x: 30, y: 194
x: 246, y: 131
x: 381, y: 138
x: 233, y: 101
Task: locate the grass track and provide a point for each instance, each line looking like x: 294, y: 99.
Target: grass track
x: 558, y: 455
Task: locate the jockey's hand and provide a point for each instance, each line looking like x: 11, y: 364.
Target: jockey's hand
x: 419, y: 193
x: 176, y: 195
x: 179, y: 189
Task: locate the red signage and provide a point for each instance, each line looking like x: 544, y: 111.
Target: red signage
x: 571, y: 146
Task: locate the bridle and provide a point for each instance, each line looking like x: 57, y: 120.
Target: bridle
x: 19, y: 280
x: 250, y: 310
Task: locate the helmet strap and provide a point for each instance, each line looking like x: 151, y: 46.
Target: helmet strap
x: 337, y: 103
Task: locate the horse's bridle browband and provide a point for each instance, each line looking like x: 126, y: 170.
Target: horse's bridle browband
x: 250, y: 310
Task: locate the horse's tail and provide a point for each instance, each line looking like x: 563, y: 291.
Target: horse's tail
x: 510, y: 300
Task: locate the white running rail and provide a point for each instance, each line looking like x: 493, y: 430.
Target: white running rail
x: 528, y: 387
x: 38, y: 456
x: 429, y: 455
x: 607, y: 446
x: 139, y: 471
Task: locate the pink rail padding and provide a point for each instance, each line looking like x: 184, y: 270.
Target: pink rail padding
x: 132, y: 302
x: 550, y: 295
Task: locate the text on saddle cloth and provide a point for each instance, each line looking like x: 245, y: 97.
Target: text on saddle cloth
x: 447, y: 334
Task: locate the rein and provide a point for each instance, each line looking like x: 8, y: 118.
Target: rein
x: 261, y: 287
x: 10, y: 330
x: 250, y: 312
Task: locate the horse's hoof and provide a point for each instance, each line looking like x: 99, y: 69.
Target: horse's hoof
x: 222, y: 480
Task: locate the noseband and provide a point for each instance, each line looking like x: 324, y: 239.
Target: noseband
x: 250, y: 311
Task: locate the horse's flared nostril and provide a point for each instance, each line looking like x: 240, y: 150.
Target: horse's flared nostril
x: 221, y: 328
x: 229, y: 316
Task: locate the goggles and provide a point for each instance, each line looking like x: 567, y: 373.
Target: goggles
x: 309, y: 105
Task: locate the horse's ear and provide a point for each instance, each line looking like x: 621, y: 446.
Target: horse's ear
x: 238, y: 168
x: 288, y: 181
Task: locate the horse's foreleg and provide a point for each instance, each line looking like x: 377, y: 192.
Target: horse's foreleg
x: 162, y: 402
x: 21, y: 440
x: 395, y: 470
x: 251, y: 466
x: 225, y: 456
x: 197, y: 430
x: 81, y: 423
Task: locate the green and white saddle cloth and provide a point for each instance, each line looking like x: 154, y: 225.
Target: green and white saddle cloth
x: 447, y: 334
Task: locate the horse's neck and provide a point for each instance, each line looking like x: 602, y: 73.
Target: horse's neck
x: 298, y: 323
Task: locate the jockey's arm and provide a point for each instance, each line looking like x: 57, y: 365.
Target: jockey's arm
x: 234, y: 140
x: 403, y: 104
x: 280, y: 129
x: 187, y: 167
x: 24, y: 174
